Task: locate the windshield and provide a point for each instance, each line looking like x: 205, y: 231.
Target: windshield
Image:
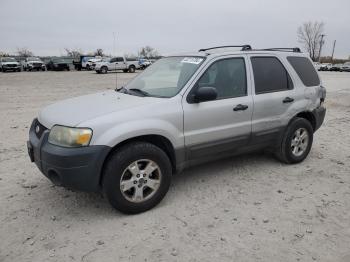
x: 33, y: 59
x: 58, y: 60
x: 167, y: 76
x: 8, y: 59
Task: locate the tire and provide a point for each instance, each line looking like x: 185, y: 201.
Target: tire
x: 131, y: 69
x: 295, y: 153
x: 104, y: 70
x: 125, y: 70
x: 88, y: 67
x: 117, y: 168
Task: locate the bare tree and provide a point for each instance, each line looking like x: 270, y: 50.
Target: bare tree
x: 99, y: 52
x: 310, y: 34
x: 24, y: 52
x: 148, y: 52
x: 4, y: 54
x: 73, y: 52
x: 130, y: 56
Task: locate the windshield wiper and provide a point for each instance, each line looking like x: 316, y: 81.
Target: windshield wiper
x: 136, y: 90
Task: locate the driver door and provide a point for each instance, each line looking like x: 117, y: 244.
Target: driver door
x: 222, y: 125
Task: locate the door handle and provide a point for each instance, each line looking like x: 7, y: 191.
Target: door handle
x: 288, y: 100
x: 240, y: 107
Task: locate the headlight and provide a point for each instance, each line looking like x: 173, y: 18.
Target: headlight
x: 70, y: 136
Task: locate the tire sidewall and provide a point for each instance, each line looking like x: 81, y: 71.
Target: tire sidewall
x: 293, y: 126
x: 120, y: 161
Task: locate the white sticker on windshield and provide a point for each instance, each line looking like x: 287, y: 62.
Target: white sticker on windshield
x: 192, y: 60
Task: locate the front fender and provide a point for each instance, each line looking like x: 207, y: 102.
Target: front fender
x: 121, y: 132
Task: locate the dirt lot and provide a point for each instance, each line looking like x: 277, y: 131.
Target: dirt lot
x: 248, y: 208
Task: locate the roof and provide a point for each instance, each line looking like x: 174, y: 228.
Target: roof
x: 228, y: 50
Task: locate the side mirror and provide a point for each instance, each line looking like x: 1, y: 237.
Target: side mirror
x: 205, y: 93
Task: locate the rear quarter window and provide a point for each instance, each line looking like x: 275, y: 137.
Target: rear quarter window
x: 305, y: 70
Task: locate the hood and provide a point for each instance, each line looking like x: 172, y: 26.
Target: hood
x: 10, y: 63
x: 72, y: 112
x: 35, y: 62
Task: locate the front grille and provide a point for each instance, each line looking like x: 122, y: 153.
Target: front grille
x: 37, y: 64
x: 39, y: 128
x: 11, y: 65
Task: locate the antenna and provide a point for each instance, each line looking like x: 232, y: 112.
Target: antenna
x: 114, y: 52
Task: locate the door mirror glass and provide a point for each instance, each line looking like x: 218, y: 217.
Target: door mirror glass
x: 205, y: 93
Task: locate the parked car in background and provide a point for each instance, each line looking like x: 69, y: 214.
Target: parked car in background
x: 325, y: 67
x: 317, y: 65
x: 81, y: 61
x: 144, y: 63
x: 335, y: 67
x: 345, y: 67
x: 33, y: 63
x: 116, y: 63
x: 9, y: 64
x: 57, y: 64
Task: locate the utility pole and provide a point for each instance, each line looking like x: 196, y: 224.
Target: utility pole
x: 333, y: 50
x: 321, y: 44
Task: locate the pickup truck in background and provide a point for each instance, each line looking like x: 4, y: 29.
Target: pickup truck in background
x: 9, y: 64
x: 81, y: 61
x: 91, y: 63
x: 116, y: 63
x: 33, y: 63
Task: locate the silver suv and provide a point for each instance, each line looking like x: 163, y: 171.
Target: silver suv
x: 181, y: 111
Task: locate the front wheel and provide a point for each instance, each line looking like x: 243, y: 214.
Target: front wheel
x: 296, y: 142
x: 104, y: 70
x: 137, y: 177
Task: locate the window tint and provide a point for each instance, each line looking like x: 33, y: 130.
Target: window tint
x: 113, y: 60
x: 270, y: 75
x: 228, y: 76
x: 120, y: 59
x: 305, y: 70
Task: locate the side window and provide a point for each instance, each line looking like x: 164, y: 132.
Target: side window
x: 270, y: 75
x: 305, y: 70
x: 228, y: 76
x: 119, y: 59
x: 113, y: 60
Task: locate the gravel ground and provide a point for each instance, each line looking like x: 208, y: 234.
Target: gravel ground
x: 247, y: 208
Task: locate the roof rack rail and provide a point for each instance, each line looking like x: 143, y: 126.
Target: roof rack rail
x: 244, y: 47
x: 284, y: 49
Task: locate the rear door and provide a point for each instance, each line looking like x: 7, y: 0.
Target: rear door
x: 120, y: 63
x: 273, y: 95
x: 222, y: 125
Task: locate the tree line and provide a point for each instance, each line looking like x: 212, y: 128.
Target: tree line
x: 310, y: 35
x: 144, y: 52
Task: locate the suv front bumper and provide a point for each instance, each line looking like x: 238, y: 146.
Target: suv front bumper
x: 77, y: 168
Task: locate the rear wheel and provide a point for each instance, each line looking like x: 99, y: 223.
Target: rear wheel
x: 296, y: 142
x: 132, y: 69
x: 137, y: 177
